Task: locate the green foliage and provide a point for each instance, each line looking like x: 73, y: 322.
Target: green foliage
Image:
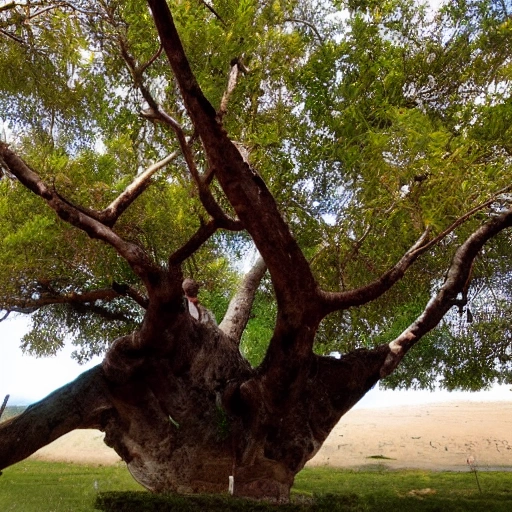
x: 259, y: 329
x: 369, y: 121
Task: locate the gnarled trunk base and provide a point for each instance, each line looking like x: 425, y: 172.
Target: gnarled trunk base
x: 186, y: 420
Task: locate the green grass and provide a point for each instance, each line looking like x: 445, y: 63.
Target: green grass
x: 378, y: 489
x: 33, y: 486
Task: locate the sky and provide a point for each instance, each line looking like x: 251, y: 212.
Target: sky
x: 28, y: 379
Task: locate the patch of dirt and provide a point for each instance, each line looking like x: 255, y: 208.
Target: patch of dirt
x: 434, y: 436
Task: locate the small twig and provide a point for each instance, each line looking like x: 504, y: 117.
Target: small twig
x: 472, y: 466
x: 10, y: 5
x: 214, y: 12
x: 308, y: 24
x: 4, y: 405
x: 12, y: 36
x: 463, y: 219
x: 151, y: 60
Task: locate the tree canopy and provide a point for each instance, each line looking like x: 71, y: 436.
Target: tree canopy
x: 368, y: 121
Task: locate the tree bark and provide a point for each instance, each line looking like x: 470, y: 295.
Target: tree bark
x: 239, y: 309
x: 186, y: 418
x: 79, y: 404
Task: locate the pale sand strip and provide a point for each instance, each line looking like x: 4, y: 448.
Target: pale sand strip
x: 433, y: 436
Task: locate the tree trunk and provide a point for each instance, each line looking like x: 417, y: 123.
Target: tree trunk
x: 186, y: 419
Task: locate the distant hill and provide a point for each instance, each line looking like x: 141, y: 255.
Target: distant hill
x: 12, y: 410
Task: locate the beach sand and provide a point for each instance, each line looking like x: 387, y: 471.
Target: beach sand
x: 433, y: 436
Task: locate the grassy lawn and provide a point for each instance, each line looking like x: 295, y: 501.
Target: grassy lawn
x: 32, y: 486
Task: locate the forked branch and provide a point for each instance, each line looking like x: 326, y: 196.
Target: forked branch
x: 202, y: 235
x: 343, y: 300
x: 244, y: 189
x: 155, y: 112
x: 333, y: 301
x: 132, y: 253
x: 446, y: 297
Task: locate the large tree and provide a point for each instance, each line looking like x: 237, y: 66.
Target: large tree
x: 345, y: 141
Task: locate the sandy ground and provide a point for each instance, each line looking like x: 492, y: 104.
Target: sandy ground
x: 433, y: 436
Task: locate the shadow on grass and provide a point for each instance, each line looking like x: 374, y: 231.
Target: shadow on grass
x: 145, y: 502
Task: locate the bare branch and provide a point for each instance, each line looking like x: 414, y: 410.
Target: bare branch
x: 465, y: 217
x: 130, y: 291
x: 156, y: 113
x: 4, y: 405
x: 43, y: 10
x: 145, y: 66
x: 117, y: 207
x: 102, y: 312
x: 455, y: 281
x: 343, y: 300
x: 203, y: 234
x: 244, y: 188
x: 12, y: 36
x: 213, y: 11
x: 359, y: 296
x: 239, y: 309
x: 6, y: 7
x: 49, y: 297
x: 233, y: 77
x: 308, y: 24
x: 81, y: 301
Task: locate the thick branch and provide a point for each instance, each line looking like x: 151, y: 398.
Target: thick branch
x: 245, y: 190
x: 336, y: 301
x: 239, y: 309
x: 203, y: 234
x: 78, y: 404
x: 47, y: 298
x: 8, y: 6
x: 133, y: 254
x: 365, y: 294
x: 455, y: 281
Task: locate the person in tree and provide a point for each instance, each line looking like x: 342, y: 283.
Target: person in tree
x: 196, y: 310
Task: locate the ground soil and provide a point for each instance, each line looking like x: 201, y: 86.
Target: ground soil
x: 434, y: 436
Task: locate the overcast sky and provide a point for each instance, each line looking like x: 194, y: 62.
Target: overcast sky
x: 26, y: 378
